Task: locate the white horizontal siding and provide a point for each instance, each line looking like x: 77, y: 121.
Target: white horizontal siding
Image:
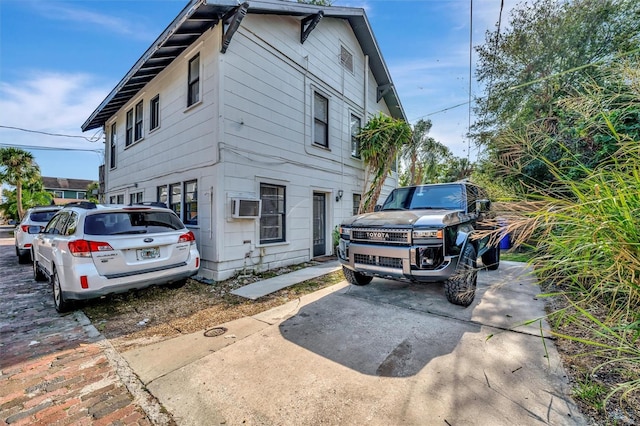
x: 256, y: 112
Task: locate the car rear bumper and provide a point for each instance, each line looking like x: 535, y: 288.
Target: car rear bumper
x: 99, y: 285
x: 123, y: 288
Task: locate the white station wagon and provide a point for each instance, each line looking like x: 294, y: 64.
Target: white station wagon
x: 90, y: 250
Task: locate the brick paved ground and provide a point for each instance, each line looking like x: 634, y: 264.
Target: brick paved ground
x: 57, y: 369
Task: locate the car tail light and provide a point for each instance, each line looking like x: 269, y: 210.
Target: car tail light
x: 188, y: 237
x: 25, y: 228
x: 197, y: 262
x: 84, y: 248
x: 84, y: 282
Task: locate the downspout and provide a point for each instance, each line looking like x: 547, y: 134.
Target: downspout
x: 366, y: 85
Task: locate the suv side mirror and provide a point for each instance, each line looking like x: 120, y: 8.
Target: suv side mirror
x: 483, y: 206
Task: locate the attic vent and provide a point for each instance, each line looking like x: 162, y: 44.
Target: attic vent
x: 346, y: 59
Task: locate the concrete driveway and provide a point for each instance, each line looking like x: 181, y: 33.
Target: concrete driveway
x: 385, y: 354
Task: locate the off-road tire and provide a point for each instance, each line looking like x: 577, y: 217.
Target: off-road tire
x: 60, y: 303
x: 355, y: 278
x: 37, y: 273
x: 491, y: 258
x: 460, y: 288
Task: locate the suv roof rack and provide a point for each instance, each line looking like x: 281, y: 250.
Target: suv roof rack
x: 82, y: 204
x: 149, y: 204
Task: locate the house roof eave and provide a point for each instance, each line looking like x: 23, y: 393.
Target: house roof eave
x: 201, y: 15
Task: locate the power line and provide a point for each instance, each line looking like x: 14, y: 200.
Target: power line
x: 442, y: 110
x: 51, y: 148
x: 93, y: 139
x: 470, y: 76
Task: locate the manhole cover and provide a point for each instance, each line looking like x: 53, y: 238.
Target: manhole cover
x: 214, y: 332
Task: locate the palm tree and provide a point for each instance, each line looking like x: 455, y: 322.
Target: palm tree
x: 380, y: 139
x: 18, y: 168
x: 423, y: 153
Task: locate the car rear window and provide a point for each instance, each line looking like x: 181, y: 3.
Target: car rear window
x: 42, y: 216
x: 135, y: 222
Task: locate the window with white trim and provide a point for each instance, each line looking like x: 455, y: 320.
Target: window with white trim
x: 154, y: 113
x: 136, y: 197
x: 355, y: 129
x: 356, y: 203
x: 191, y: 203
x: 320, y: 120
x: 175, y: 200
x: 116, y: 199
x: 129, y: 129
x: 112, y: 147
x: 161, y: 194
x: 139, y: 128
x: 273, y: 215
x: 81, y: 195
x: 193, y: 83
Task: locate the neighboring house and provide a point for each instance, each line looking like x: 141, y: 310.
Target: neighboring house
x: 66, y: 190
x: 241, y: 118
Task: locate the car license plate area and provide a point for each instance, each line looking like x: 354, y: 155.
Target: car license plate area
x: 148, y: 253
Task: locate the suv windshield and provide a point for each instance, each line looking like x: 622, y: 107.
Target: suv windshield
x: 118, y: 223
x: 449, y: 197
x: 42, y: 216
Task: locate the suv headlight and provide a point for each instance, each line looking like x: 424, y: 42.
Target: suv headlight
x: 427, y: 233
x: 345, y: 232
x: 427, y: 236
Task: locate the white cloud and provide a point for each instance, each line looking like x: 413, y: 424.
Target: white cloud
x: 134, y: 27
x: 49, y: 102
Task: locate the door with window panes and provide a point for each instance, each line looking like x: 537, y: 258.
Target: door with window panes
x: 319, y: 224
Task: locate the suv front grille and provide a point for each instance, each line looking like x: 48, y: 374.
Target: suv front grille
x: 388, y: 262
x: 382, y: 235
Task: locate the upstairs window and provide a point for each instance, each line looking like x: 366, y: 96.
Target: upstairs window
x: 355, y: 129
x: 112, y: 146
x: 129, y: 130
x: 139, y: 133
x: 193, y: 85
x: 320, y: 120
x: 154, y: 112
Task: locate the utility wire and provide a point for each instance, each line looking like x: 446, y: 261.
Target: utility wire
x: 93, y: 139
x: 470, y: 68
x: 50, y: 148
x: 441, y: 110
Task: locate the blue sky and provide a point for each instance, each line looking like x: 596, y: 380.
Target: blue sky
x: 59, y: 60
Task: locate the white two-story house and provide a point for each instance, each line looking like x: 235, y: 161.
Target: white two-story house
x: 241, y: 117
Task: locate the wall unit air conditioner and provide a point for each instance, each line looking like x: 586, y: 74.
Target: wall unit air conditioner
x: 245, y: 208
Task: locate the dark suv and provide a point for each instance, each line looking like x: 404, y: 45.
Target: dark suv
x: 421, y: 234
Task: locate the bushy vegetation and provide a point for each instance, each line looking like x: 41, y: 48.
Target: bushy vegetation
x: 585, y: 225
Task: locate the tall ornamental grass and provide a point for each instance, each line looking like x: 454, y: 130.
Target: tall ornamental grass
x: 585, y: 228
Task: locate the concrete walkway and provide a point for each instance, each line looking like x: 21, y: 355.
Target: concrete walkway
x: 271, y: 285
x: 384, y: 354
